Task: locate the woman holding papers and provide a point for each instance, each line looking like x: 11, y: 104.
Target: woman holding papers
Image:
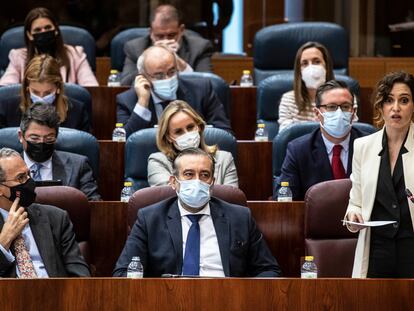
x: 382, y: 171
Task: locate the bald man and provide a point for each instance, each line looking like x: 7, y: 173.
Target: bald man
x: 157, y: 84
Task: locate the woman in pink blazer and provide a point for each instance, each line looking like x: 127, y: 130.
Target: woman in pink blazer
x: 42, y: 36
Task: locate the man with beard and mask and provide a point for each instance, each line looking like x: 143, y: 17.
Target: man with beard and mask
x: 36, y: 241
x: 326, y: 153
x: 38, y: 131
x: 193, y: 52
x: 195, y: 234
x: 157, y: 84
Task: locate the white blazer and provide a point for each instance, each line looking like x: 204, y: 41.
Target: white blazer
x: 364, y: 177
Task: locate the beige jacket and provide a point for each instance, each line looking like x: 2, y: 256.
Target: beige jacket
x: 160, y: 169
x: 364, y: 177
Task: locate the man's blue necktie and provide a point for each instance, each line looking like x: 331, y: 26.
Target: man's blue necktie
x: 35, y: 171
x: 191, y: 264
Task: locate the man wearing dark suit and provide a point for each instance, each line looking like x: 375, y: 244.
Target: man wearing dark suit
x: 228, y: 242
x: 38, y: 132
x: 157, y: 85
x: 193, y: 52
x: 314, y: 158
x: 44, y: 233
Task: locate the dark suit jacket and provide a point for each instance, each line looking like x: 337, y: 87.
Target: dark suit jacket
x: 77, y: 117
x: 197, y: 92
x: 74, y: 171
x: 157, y: 238
x: 195, y: 50
x: 307, y: 163
x: 55, y: 239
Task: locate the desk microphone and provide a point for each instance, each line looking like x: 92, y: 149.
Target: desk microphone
x: 409, y: 195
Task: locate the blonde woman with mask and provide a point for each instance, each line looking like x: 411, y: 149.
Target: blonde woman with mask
x: 180, y: 127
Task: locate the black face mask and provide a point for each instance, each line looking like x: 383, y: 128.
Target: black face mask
x: 26, y: 193
x: 45, y: 42
x: 39, y: 152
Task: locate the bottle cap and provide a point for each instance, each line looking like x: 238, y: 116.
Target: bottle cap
x: 284, y: 184
x: 309, y: 258
x: 261, y: 125
x: 128, y: 183
x: 119, y: 124
x: 113, y: 71
x: 136, y: 258
x: 246, y: 72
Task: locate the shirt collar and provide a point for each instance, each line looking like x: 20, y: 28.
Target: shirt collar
x: 47, y: 164
x: 4, y: 213
x: 184, y: 212
x: 329, y: 145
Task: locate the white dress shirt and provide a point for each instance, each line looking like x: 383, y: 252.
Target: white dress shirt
x: 31, y: 247
x: 344, y: 152
x: 145, y: 113
x: 210, y: 259
x: 45, y: 171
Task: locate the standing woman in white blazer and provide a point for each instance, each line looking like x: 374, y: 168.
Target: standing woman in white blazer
x: 382, y: 170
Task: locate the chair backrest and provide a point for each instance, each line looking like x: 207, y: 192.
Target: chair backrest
x: 332, y: 245
x: 151, y: 195
x: 294, y: 131
x: 70, y: 140
x: 140, y: 145
x: 271, y: 90
x: 118, y: 42
x: 13, y: 38
x: 220, y: 87
x: 72, y: 91
x: 76, y: 204
x: 275, y: 46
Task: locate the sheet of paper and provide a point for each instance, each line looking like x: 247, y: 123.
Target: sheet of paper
x: 370, y: 223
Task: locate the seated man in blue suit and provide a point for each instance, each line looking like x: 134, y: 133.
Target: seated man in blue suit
x: 221, y: 239
x: 326, y: 153
x: 39, y: 128
x: 157, y: 84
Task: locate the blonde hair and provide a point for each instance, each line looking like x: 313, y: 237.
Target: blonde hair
x: 164, y: 144
x: 44, y: 69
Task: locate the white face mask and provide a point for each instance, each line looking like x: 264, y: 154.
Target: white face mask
x: 337, y: 123
x: 194, y: 193
x: 188, y: 140
x: 48, y: 99
x: 313, y: 76
x: 166, y: 89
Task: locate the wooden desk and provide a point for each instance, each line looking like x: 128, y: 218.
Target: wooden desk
x: 280, y: 222
x: 205, y: 294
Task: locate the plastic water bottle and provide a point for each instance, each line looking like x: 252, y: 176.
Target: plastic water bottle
x: 246, y: 79
x: 119, y: 133
x: 309, y: 269
x: 114, y: 78
x: 261, y: 133
x: 284, y: 193
x: 135, y: 269
x: 127, y: 191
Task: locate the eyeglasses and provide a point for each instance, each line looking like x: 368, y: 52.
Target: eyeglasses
x: 334, y: 107
x: 21, y: 178
x: 162, y: 76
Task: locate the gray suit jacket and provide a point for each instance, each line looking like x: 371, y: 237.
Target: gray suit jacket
x: 160, y: 169
x: 55, y: 239
x: 74, y: 171
x: 194, y: 50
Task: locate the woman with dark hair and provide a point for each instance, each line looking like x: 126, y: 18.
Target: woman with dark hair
x: 313, y: 66
x: 42, y: 36
x: 42, y: 83
x: 181, y: 127
x: 382, y: 181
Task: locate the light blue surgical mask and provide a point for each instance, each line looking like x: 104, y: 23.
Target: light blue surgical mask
x: 194, y: 193
x: 48, y: 99
x: 166, y: 89
x: 337, y: 123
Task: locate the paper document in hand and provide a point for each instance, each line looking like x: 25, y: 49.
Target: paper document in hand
x: 370, y: 223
